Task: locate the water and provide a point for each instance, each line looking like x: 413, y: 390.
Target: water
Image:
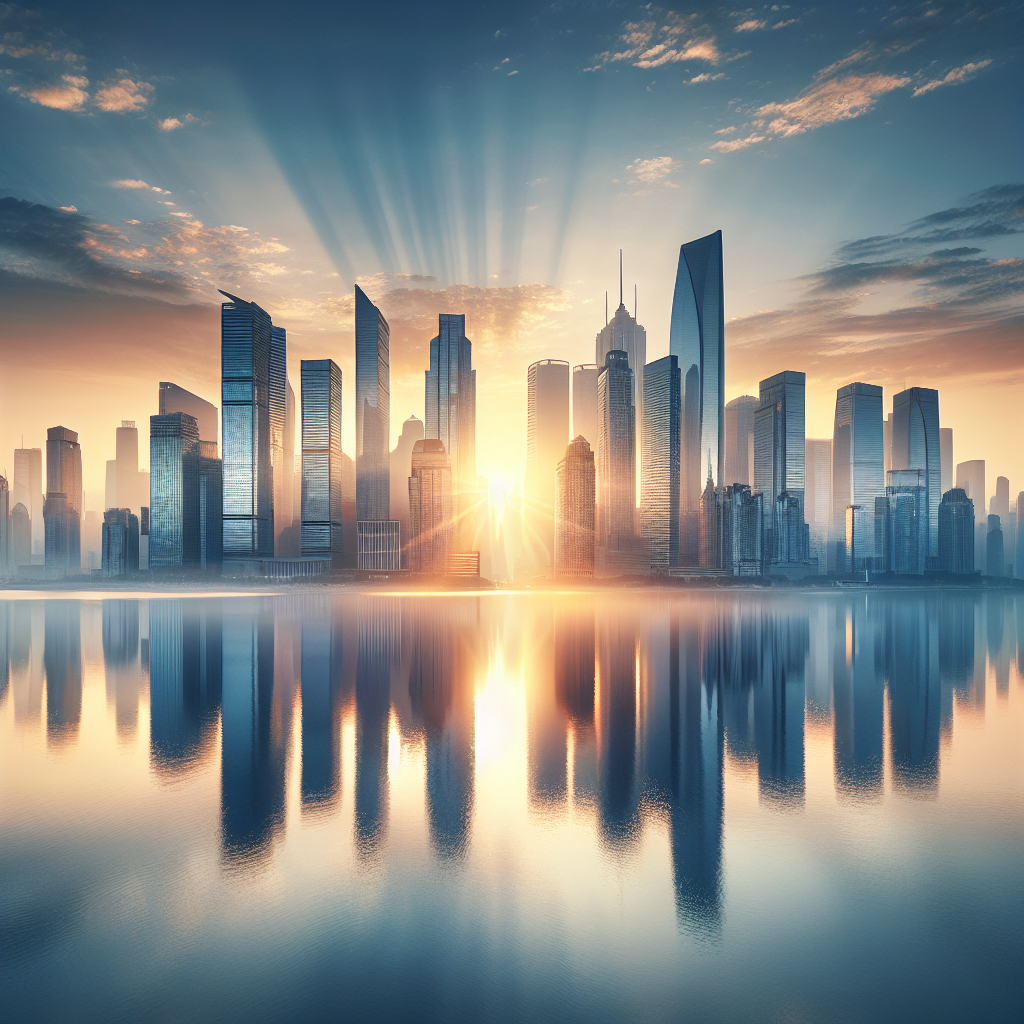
x: 641, y: 805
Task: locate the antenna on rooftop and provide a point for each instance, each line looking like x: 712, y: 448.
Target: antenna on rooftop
x: 620, y: 277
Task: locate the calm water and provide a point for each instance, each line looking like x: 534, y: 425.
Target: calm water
x: 640, y: 806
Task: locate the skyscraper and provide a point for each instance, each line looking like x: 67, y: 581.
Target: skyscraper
x: 956, y: 532
x: 584, y: 402
x: 401, y: 470
x: 858, y: 464
x: 915, y: 445
x: 739, y: 440
x: 818, y: 497
x: 430, y: 508
x: 120, y: 552
x: 5, y: 533
x: 616, y: 449
x: 321, y: 458
x: 575, y: 505
x: 451, y: 404
x: 995, y: 561
x: 174, y: 540
x: 660, y: 461
x: 1000, y: 503
x: 970, y: 476
x: 547, y: 433
x: 740, y: 522
x: 27, y: 490
x: 780, y: 452
x: 373, y: 411
x: 245, y: 399
x: 901, y: 524
x: 697, y: 339
x: 173, y: 398
x: 277, y: 415
x: 946, y: 452
x: 63, y: 477
x: 19, y: 538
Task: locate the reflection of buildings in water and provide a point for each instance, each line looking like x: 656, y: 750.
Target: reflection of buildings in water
x: 26, y: 646
x: 121, y: 669
x: 379, y: 640
x: 858, y: 683
x: 574, y: 690
x: 546, y: 742
x: 185, y: 666
x: 62, y: 660
x: 5, y: 658
x: 995, y: 630
x: 912, y: 673
x: 441, y: 693
x: 252, y: 746
x: 956, y: 614
x: 321, y: 706
x: 819, y: 673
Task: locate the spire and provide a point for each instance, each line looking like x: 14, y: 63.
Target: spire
x: 620, y: 278
x: 709, y: 465
x: 606, y: 309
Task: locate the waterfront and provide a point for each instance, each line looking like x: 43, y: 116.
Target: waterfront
x: 633, y: 805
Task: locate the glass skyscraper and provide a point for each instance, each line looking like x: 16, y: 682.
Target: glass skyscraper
x: 575, y: 492
x: 660, y: 461
x: 277, y: 415
x: 739, y: 440
x: 584, y: 402
x: 616, y: 449
x: 697, y: 340
x: 858, y: 464
x: 915, y: 445
x: 321, y: 530
x: 63, y: 515
x: 174, y: 491
x: 373, y: 411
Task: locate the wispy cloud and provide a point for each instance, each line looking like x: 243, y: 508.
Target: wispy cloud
x: 136, y: 183
x: 733, y: 144
x: 170, y: 124
x: 651, y: 174
x: 652, y: 44
x: 750, y: 26
x: 123, y: 95
x: 705, y: 77
x: 953, y: 77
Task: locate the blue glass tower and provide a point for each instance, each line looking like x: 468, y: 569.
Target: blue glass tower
x: 373, y: 411
x: 174, y: 539
x: 277, y: 401
x: 321, y: 530
x: 245, y: 399
x: 660, y: 461
x: 915, y: 445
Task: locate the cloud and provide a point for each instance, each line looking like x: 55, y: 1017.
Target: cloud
x: 706, y: 161
x: 705, y: 77
x: 137, y: 184
x: 123, y: 95
x: 653, y: 173
x: 70, y: 96
x: 734, y: 144
x: 726, y: 131
x: 651, y: 45
x: 954, y: 77
x: 750, y: 26
x: 783, y: 24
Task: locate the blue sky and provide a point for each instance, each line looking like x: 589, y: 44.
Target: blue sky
x: 491, y: 159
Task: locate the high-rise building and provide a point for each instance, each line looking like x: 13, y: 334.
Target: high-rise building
x: 584, y: 402
x: 63, y: 477
x: 946, y: 453
x: 174, y: 540
x: 995, y: 562
x: 709, y: 550
x: 210, y: 496
x: 547, y: 433
x: 818, y: 498
x: 780, y: 451
x: 956, y: 532
x: 740, y: 522
x: 575, y: 507
x: 19, y: 541
x: 430, y: 508
x: 901, y: 524
x: 245, y: 409
x: 857, y: 525
x: 616, y: 449
x: 1000, y: 503
x: 858, y: 465
x: 120, y: 552
x: 286, y: 521
x: 28, y: 491
x: 660, y: 461
x: 915, y: 445
x: 373, y: 411
x: 887, y: 441
x: 401, y: 470
x: 173, y: 398
x: 451, y: 405
x: 970, y: 476
x: 5, y: 532
x: 277, y: 415
x: 739, y: 440
x: 697, y: 340
x: 378, y: 545
x: 321, y: 458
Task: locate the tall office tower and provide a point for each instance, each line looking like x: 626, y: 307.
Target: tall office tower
x: 970, y: 476
x: 616, y: 449
x: 28, y: 490
x: 19, y: 543
x: 623, y: 334
x: 915, y: 445
x: 946, y: 453
x: 176, y: 399
x: 857, y: 524
x: 1000, y: 503
x: 995, y: 563
x: 818, y: 497
x: 740, y: 529
x: 697, y: 339
x: 126, y: 466
x: 286, y: 522
x: 575, y: 508
x: 547, y: 433
x: 739, y: 440
x: 709, y: 549
x: 430, y: 507
x: 64, y: 477
x: 174, y: 491
x: 401, y: 470
x: 5, y: 529
x: 211, y: 507
x: 373, y: 411
x: 120, y: 552
x: 245, y: 409
x: 887, y: 441
x: 277, y: 414
x: 858, y: 465
x: 780, y: 451
x: 584, y: 402
x: 901, y: 524
x: 451, y: 404
x: 321, y: 458
x: 660, y: 461
x: 956, y: 532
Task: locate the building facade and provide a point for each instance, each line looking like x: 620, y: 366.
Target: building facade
x: 739, y: 440
x: 173, y: 398
x: 915, y: 445
x: 120, y: 552
x: 901, y: 524
x: 401, y: 469
x: 660, y: 461
x: 575, y: 509
x: 956, y: 532
x: 946, y: 457
x: 970, y: 477
x: 616, y: 449
x: 174, y: 537
x: 584, y: 402
x: 63, y: 515
x: 818, y: 498
x: 322, y: 458
x: 373, y: 411
x: 430, y: 508
x: 995, y: 560
x: 378, y: 545
x: 281, y: 466
x: 27, y: 490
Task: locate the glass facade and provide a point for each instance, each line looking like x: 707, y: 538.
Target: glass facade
x: 373, y: 411
x: 915, y: 445
x: 697, y: 340
x: 901, y: 524
x: 174, y: 539
x: 245, y: 399
x: 321, y: 530
x: 616, y: 449
x: 378, y: 545
x: 584, y: 402
x: 623, y: 334
x: 430, y: 508
x: 63, y: 541
x: 176, y: 399
x: 660, y: 461
x: 120, y: 542
x: 739, y: 440
x: 277, y: 417
x: 575, y: 493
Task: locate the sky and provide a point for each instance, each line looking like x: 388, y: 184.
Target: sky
x: 866, y: 167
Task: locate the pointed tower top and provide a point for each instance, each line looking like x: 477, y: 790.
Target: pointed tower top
x: 620, y: 277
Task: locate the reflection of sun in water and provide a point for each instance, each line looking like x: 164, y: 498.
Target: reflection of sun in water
x: 497, y: 712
